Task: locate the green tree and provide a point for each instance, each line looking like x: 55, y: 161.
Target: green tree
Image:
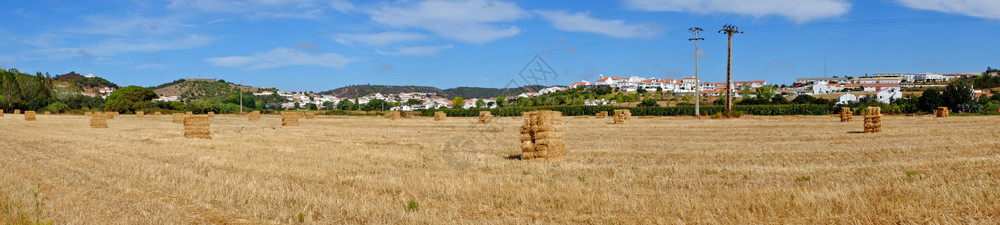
x: 480, y: 103
x: 377, y: 105
x: 129, y: 99
x: 312, y: 106
x: 957, y: 94
x: 458, y: 102
x: 414, y: 101
x: 929, y: 100
x: 345, y: 105
x: 649, y: 102
x: 779, y: 99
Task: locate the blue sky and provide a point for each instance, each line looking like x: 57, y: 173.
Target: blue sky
x: 318, y: 45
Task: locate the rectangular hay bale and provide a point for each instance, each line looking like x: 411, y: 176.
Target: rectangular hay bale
x: 542, y: 135
x: 29, y: 115
x: 289, y: 119
x: 439, y: 116
x: 197, y: 127
x: 97, y: 121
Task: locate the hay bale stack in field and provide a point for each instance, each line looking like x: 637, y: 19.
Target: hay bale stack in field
x: 289, y: 119
x: 197, y: 127
x: 97, y: 121
x: 542, y: 135
x: 620, y: 116
x: 845, y: 114
x: 253, y: 116
x: 211, y: 114
x: 485, y: 117
x: 628, y: 114
x: 110, y: 115
x: 29, y: 115
x: 602, y: 115
x: 1, y: 112
x: 178, y: 118
x: 189, y: 113
x: 157, y: 114
x: 394, y: 115
x: 942, y: 112
x: 439, y: 116
x: 873, y: 120
x: 140, y: 114
x: 310, y: 115
x: 17, y: 111
x: 48, y: 113
x: 87, y: 113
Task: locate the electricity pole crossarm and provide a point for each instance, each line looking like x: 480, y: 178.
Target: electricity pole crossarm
x: 729, y: 30
x: 697, y: 80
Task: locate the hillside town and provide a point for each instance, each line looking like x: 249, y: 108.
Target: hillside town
x: 844, y: 89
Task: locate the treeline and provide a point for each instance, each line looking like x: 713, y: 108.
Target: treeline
x: 36, y: 92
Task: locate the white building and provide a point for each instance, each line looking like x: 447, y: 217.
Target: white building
x: 886, y: 96
x: 847, y: 98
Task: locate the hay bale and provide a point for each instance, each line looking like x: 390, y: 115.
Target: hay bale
x: 88, y: 113
x: 157, y: 113
x: 439, y: 116
x: 189, y: 113
x: 253, y: 116
x: 1, y: 112
x: 48, y: 113
x: 29, y: 115
x: 602, y: 115
x: 289, y: 119
x: 542, y: 135
x: 17, y: 111
x: 620, y: 116
x: 178, y: 118
x: 845, y: 114
x: 873, y: 120
x: 110, y: 115
x: 310, y: 115
x: 941, y: 112
x: 394, y: 115
x: 97, y: 121
x: 197, y: 127
x: 140, y: 114
x: 211, y: 114
x: 485, y: 117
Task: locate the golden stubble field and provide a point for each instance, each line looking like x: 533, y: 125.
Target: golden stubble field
x: 335, y: 170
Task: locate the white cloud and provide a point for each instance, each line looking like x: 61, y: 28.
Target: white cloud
x: 378, y: 39
x: 236, y: 6
x: 582, y: 22
x: 416, y: 50
x: 342, y: 6
x: 800, y: 11
x: 314, y: 14
x: 280, y: 57
x: 475, y: 21
x: 130, y: 25
x: 117, y: 46
x: 989, y: 9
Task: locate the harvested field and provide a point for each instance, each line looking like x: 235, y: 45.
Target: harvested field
x: 356, y: 170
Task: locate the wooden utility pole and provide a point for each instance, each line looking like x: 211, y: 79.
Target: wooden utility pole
x: 729, y: 30
x: 697, y: 80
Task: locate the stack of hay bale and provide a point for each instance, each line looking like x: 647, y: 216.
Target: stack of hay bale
x: 602, y: 115
x: 289, y: 119
x: 197, y: 127
x: 310, y: 115
x: 439, y: 116
x: 1, y: 112
x: 110, y: 115
x: 211, y: 114
x: 157, y: 113
x: 97, y: 121
x: 845, y: 114
x: 621, y: 115
x: 253, y: 116
x: 178, y: 118
x: 485, y: 117
x: 942, y: 112
x: 48, y: 113
x: 17, y: 111
x: 140, y: 114
x: 88, y: 113
x: 189, y: 113
x: 29, y: 115
x: 542, y: 135
x: 394, y: 115
x: 873, y: 120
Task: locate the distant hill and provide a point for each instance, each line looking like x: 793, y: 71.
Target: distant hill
x: 82, y: 83
x: 364, y: 90
x: 465, y: 92
x: 201, y: 88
